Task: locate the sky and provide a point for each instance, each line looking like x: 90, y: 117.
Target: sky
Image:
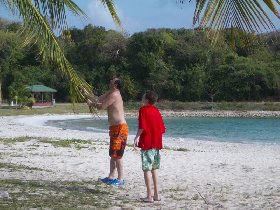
x: 139, y: 15
x: 136, y: 15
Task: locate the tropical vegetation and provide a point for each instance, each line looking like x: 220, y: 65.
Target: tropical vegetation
x: 43, y: 19
x: 180, y: 64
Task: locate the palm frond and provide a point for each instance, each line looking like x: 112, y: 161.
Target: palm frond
x: 112, y: 9
x: 247, y: 15
x: 55, y: 12
x: 272, y: 7
x: 41, y: 20
x: 37, y: 29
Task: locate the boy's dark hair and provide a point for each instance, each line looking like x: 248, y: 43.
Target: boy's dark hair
x: 119, y: 84
x: 151, y: 96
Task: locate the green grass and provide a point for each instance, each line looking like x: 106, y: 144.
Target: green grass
x: 183, y: 150
x: 15, y: 167
x: 77, y: 143
x: 19, y: 139
x: 27, y: 194
x: 234, y: 106
x: 243, y: 106
x: 180, y: 149
x: 67, y: 108
x: 68, y: 143
x: 56, y: 195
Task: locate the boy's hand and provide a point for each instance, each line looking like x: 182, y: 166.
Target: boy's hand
x: 136, y: 141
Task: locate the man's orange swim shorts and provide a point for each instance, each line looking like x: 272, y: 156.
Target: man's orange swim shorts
x: 118, y: 136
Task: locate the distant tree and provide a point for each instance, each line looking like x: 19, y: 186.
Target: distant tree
x: 9, y: 54
x: 179, y: 64
x: 44, y: 19
x: 41, y: 21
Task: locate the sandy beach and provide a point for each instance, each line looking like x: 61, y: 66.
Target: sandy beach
x: 194, y: 174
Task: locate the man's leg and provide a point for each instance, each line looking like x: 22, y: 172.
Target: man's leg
x: 156, y: 187
x: 147, y: 177
x: 119, y: 163
x: 112, y: 168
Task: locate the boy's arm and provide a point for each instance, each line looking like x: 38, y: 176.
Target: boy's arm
x: 136, y: 139
x: 163, y: 128
x: 141, y: 126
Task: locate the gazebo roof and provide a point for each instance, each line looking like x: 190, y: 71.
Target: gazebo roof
x: 41, y: 89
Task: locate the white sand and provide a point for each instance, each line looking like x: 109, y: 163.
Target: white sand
x: 226, y: 175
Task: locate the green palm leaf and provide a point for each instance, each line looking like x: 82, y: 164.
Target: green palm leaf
x: 247, y: 15
x: 244, y: 14
x: 42, y: 19
x: 111, y: 7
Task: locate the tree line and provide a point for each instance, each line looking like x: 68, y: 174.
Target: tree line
x: 180, y: 64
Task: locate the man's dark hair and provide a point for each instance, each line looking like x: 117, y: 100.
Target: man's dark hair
x: 151, y: 96
x: 119, y: 84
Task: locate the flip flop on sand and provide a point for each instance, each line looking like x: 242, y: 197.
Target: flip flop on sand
x: 147, y: 200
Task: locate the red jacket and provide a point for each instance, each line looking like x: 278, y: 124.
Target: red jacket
x: 150, y: 120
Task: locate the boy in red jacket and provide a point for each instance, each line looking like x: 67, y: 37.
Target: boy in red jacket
x: 149, y: 139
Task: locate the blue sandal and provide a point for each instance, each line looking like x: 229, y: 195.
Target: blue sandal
x: 105, y: 180
x: 117, y: 182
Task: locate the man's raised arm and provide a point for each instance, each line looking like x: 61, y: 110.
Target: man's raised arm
x: 101, y: 102
x: 94, y: 98
x: 103, y: 97
x: 107, y: 100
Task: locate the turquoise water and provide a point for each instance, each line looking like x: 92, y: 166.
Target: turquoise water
x: 213, y: 129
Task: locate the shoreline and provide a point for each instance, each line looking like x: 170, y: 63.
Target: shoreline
x: 65, y: 109
x: 228, y: 175
x: 216, y: 114
x: 32, y: 123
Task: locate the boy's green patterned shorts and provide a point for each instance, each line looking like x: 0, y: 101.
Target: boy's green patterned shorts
x: 150, y: 159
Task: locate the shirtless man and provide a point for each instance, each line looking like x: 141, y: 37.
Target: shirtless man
x: 112, y: 101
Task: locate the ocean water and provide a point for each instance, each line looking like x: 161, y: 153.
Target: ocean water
x: 241, y: 130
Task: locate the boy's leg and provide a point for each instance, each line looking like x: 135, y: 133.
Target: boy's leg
x: 155, y: 167
x: 156, y: 187
x: 112, y: 168
x: 119, y: 163
x: 147, y: 177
